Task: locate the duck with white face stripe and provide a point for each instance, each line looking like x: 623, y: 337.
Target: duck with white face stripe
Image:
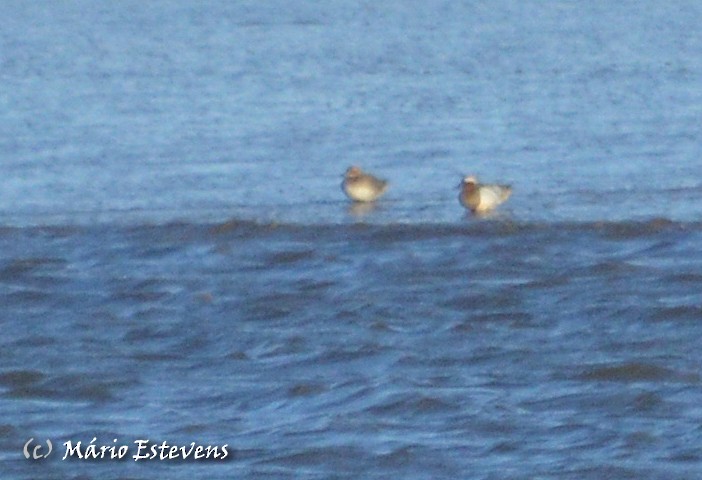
x: 481, y: 198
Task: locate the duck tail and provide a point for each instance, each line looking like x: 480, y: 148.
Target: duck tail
x: 505, y: 192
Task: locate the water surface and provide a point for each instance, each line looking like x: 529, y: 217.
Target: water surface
x: 178, y: 262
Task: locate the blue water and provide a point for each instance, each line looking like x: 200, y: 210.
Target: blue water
x: 178, y: 261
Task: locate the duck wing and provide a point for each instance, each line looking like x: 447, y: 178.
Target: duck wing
x: 493, y: 195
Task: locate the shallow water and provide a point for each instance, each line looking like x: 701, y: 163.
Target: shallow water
x: 178, y: 262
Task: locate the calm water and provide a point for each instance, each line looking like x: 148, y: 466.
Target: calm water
x: 178, y: 263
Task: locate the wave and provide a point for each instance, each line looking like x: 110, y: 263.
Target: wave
x: 238, y: 227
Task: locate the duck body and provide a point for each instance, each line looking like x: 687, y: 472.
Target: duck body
x: 481, y: 198
x: 362, y: 187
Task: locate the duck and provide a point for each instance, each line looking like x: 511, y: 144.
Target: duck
x: 482, y: 198
x: 362, y: 187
